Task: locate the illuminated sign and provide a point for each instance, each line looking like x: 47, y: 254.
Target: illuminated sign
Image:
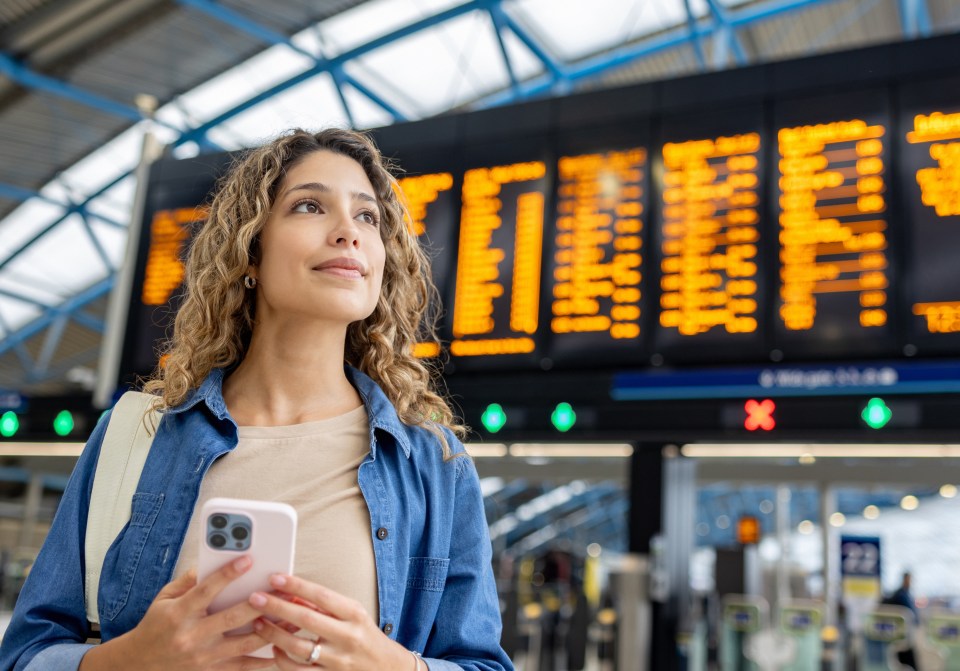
x: 169, y: 234
x: 931, y: 157
x: 759, y: 415
x: 833, y: 227
x: 497, y: 300
x: 421, y: 191
x: 710, y: 235
x: 598, y: 242
x: 429, y: 202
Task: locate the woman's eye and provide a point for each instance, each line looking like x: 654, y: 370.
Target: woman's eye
x: 306, y: 207
x: 369, y: 217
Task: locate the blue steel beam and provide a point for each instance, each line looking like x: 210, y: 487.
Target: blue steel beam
x: 69, y: 306
x: 243, y: 24
x: 97, y: 245
x: 88, y: 321
x: 604, y: 63
x: 695, y: 40
x: 20, y: 194
x: 498, y: 28
x: 51, y: 342
x: 23, y: 299
x: 726, y: 33
x: 915, y: 18
x: 22, y: 354
x: 27, y: 78
x: 352, y: 54
x: 49, y: 227
x: 552, y: 65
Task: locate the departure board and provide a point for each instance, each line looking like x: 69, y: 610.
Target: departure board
x: 431, y: 204
x: 710, y: 235
x: 746, y: 217
x: 595, y: 284
x: 930, y: 172
x: 496, y: 303
x: 175, y: 205
x: 835, y: 270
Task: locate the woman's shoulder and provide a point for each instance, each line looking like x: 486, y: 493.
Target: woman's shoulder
x: 436, y: 441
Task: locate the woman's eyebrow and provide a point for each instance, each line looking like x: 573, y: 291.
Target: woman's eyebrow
x: 323, y: 188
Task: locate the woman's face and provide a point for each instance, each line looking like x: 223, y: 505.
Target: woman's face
x: 321, y: 254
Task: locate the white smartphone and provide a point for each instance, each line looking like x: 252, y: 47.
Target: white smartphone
x: 231, y: 528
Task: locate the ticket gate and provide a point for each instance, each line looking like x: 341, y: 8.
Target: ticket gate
x: 884, y: 629
x: 741, y: 617
x: 802, y: 620
x: 943, y: 631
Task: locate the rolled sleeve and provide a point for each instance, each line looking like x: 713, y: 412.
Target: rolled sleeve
x: 468, y: 624
x: 59, y: 657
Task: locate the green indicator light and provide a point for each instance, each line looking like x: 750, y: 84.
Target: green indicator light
x: 493, y: 418
x: 63, y: 423
x: 876, y: 414
x: 563, y: 417
x: 9, y: 424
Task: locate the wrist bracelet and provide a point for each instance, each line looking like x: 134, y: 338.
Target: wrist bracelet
x: 416, y: 660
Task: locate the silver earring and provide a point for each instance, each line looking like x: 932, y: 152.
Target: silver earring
x: 249, y: 282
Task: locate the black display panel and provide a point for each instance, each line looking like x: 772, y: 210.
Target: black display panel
x: 496, y: 312
x: 176, y: 201
x: 595, y: 261
x: 837, y: 260
x: 929, y: 175
x: 709, y: 234
x: 430, y: 184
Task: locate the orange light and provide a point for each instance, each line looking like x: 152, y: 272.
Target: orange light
x: 759, y: 415
x: 748, y: 530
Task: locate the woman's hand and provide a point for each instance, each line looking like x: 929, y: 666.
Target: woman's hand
x: 349, y: 639
x: 177, y: 633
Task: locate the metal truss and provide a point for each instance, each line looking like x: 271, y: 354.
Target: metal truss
x: 720, y: 24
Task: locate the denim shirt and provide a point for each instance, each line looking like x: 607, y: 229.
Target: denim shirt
x: 431, y: 544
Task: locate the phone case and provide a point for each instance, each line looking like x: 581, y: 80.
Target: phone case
x: 272, y: 539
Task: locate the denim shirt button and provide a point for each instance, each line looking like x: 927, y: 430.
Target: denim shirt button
x: 382, y: 533
x: 388, y: 629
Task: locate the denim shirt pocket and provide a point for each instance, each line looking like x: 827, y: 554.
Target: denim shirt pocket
x: 427, y: 574
x: 426, y: 579
x: 123, y: 558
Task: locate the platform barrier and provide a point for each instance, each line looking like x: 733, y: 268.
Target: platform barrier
x: 885, y: 630
x: 801, y: 620
x: 741, y: 617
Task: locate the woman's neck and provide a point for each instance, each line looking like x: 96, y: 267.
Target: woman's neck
x: 290, y: 375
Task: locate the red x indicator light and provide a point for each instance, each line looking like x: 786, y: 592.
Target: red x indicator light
x: 759, y: 415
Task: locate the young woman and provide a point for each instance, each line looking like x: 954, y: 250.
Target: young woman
x: 290, y: 377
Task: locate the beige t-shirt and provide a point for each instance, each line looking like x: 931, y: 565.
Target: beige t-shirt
x: 313, y: 467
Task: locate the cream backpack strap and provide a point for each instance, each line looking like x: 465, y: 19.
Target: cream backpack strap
x: 122, y: 454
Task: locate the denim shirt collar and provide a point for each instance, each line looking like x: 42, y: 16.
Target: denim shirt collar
x: 380, y: 410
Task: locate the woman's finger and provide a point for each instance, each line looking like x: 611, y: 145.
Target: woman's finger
x: 294, y: 645
x: 285, y: 663
x: 178, y: 587
x: 239, y: 645
x: 322, y: 625
x: 228, y: 619
x: 245, y: 664
x: 324, y: 598
x: 208, y: 588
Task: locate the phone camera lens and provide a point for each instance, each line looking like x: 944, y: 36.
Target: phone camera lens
x: 218, y: 521
x: 218, y: 540
x: 240, y: 533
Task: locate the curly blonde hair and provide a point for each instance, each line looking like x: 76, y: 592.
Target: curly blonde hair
x: 213, y: 326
